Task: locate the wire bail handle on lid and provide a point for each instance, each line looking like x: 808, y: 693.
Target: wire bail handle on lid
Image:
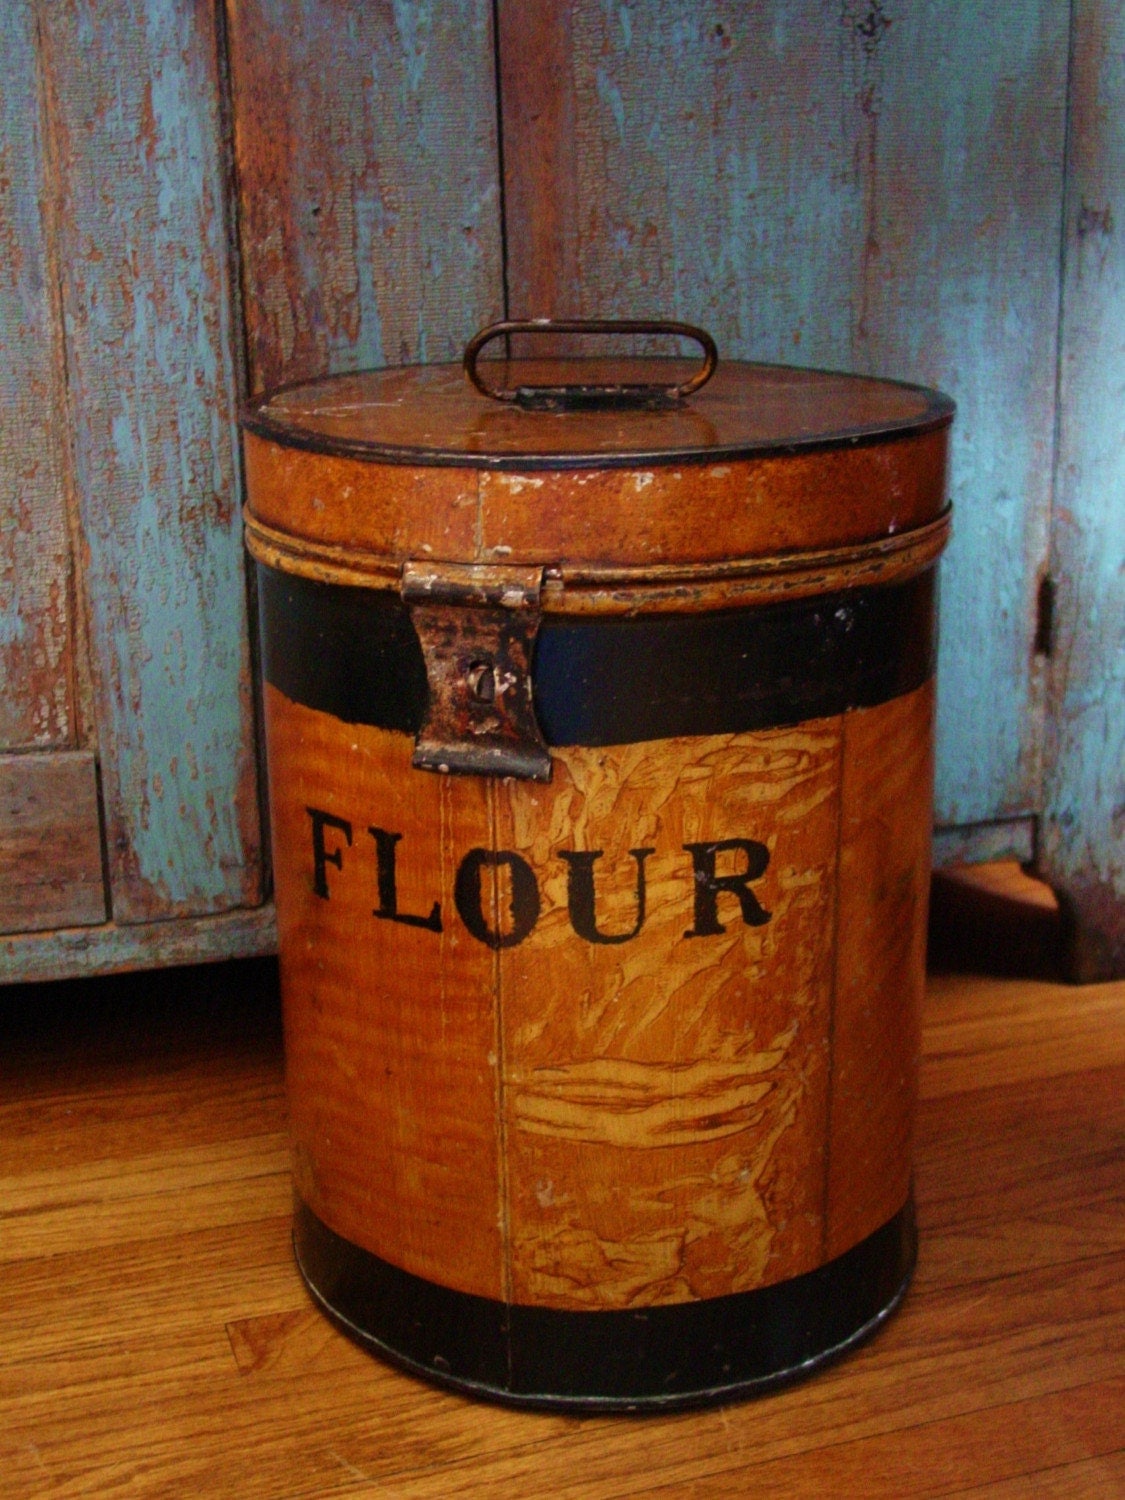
x: 582, y: 397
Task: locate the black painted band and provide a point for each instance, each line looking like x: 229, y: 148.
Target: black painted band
x: 615, y: 679
x: 655, y: 1358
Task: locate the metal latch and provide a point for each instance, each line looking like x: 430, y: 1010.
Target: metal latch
x: 477, y: 625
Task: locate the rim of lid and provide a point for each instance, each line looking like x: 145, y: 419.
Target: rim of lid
x: 278, y: 416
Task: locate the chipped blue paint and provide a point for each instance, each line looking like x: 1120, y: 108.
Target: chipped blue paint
x: 1083, y: 832
x: 150, y: 358
x: 610, y: 95
x: 377, y: 241
x: 616, y: 11
x: 414, y: 23
x: 961, y: 290
x: 724, y: 189
x: 873, y: 187
x: 35, y: 625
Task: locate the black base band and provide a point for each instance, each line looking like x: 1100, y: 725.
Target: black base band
x: 679, y: 1355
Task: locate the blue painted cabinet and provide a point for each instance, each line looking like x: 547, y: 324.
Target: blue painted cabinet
x: 203, y: 197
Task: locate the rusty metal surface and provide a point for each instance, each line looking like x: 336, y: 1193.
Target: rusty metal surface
x: 477, y: 627
x: 579, y: 394
x: 607, y: 590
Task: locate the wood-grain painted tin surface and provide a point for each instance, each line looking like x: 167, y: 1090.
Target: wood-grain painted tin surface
x: 601, y: 1072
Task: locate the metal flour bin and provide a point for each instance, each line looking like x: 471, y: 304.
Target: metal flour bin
x: 599, y: 728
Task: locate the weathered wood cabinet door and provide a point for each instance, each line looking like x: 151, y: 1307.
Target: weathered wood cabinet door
x: 129, y: 826
x: 204, y: 197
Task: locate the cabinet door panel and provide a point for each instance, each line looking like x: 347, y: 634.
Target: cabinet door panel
x: 866, y: 187
x: 133, y: 99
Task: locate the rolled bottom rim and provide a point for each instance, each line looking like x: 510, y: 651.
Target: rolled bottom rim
x: 655, y: 1359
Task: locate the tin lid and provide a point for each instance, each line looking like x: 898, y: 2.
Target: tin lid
x: 589, y: 411
x: 603, y: 471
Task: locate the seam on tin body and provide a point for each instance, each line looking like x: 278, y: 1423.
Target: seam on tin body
x: 662, y: 588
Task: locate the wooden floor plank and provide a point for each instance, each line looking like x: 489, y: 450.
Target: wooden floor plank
x: 115, y: 1200
x: 950, y: 1355
x: 155, y: 1338
x: 997, y: 1443
x: 1001, y: 1040
x: 1091, y: 1479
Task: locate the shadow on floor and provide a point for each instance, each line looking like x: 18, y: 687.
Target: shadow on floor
x: 994, y: 919
x: 151, y: 1016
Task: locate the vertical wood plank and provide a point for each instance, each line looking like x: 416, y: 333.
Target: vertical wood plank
x: 867, y: 186
x: 366, y: 148
x: 1083, y: 831
x: 36, y: 613
x: 963, y: 124
x: 133, y: 98
x: 683, y: 160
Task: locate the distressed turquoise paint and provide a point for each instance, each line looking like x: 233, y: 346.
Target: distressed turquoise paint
x: 965, y: 120
x: 713, y: 181
x: 150, y: 364
x: 1082, y: 847
x: 367, y: 158
x: 868, y: 186
x: 414, y: 20
x: 75, y: 953
x: 36, y: 707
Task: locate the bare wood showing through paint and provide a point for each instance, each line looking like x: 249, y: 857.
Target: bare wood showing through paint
x: 84, y: 952
x: 370, y: 214
x: 963, y: 185
x: 869, y: 186
x: 840, y: 186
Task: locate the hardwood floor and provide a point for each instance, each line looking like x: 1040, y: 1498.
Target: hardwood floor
x: 155, y: 1338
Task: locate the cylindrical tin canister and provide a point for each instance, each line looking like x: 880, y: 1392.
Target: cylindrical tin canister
x: 601, y: 1050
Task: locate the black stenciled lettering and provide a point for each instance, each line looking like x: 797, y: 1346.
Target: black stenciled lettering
x: 580, y: 894
x: 469, y: 897
x: 323, y: 856
x: 388, y: 889
x: 708, y: 885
